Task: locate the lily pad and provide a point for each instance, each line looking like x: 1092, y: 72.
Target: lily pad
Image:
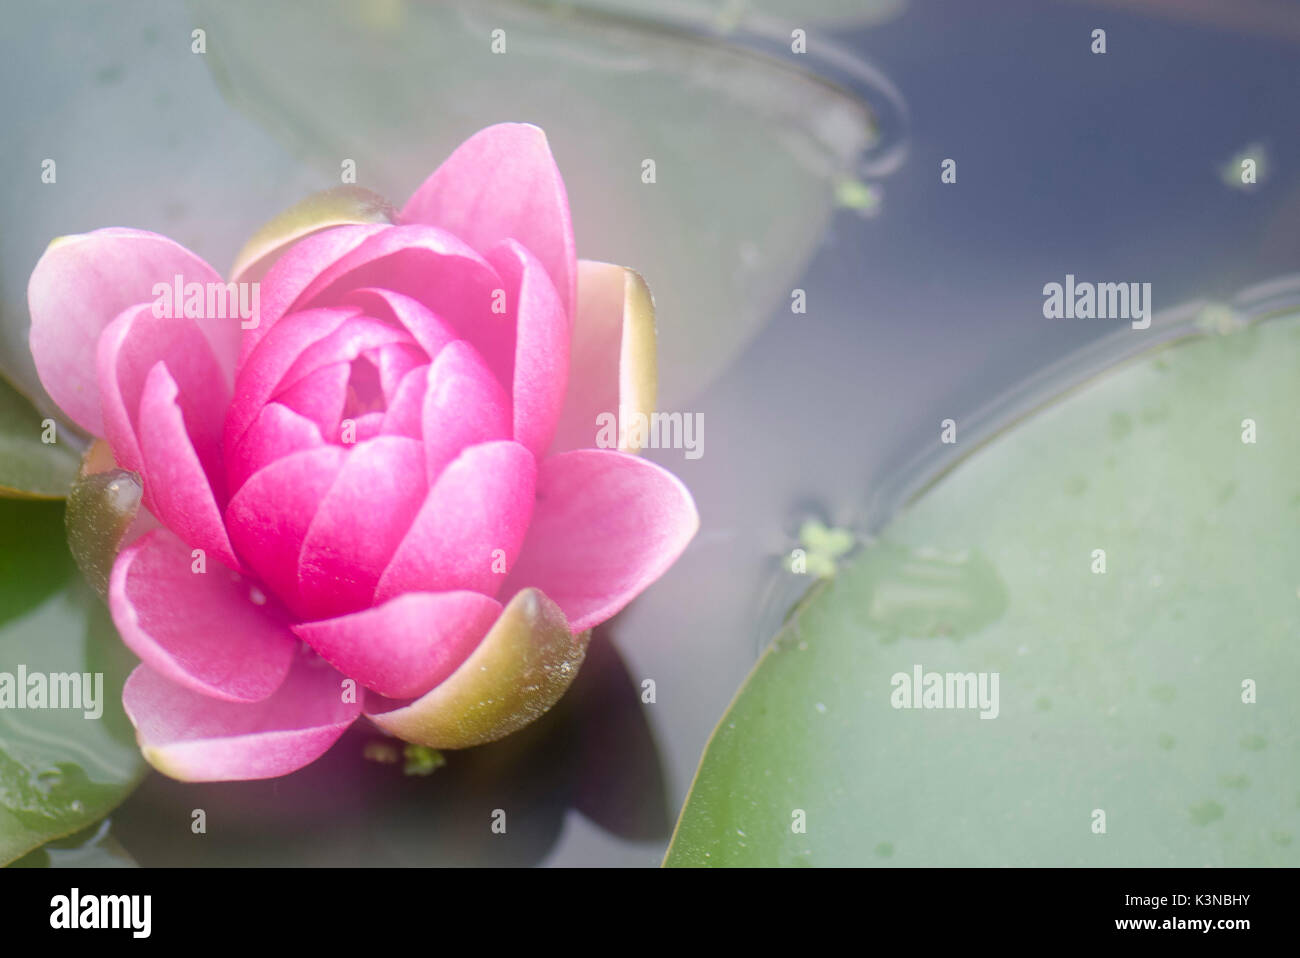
x: 30, y: 467
x: 93, y: 847
x: 64, y: 769
x: 1146, y: 715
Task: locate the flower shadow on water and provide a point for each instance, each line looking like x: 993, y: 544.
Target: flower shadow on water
x: 593, y: 753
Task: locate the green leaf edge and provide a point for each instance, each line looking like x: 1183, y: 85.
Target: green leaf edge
x: 1188, y: 329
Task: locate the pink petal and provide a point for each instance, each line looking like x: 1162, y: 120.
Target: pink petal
x: 464, y: 405
x: 541, y: 367
x: 368, y: 426
x: 480, y: 504
x: 502, y: 183
x: 269, y: 516
x: 341, y: 206
x: 128, y: 349
x: 359, y: 525
x: 321, y: 396
x: 81, y: 284
x: 425, y: 328
x: 264, y: 368
x: 294, y: 271
x: 355, y: 336
x: 403, y: 417
x: 211, y: 632
x: 408, y: 645
x: 438, y: 270
x: 606, y: 525
x: 194, y: 738
x: 276, y: 432
x: 176, y: 487
x: 394, y: 361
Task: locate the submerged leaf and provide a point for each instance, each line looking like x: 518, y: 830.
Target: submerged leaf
x: 658, y: 133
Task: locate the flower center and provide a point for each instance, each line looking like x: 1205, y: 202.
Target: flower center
x: 365, y: 390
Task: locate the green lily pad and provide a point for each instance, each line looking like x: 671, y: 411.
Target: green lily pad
x: 63, y: 769
x: 30, y: 467
x: 1162, y: 693
x: 722, y: 126
x: 93, y: 847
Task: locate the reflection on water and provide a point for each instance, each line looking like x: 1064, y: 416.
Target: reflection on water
x: 593, y: 755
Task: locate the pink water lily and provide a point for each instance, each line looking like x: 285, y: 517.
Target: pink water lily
x: 381, y: 495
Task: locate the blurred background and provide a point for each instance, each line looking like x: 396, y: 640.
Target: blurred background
x: 776, y: 170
